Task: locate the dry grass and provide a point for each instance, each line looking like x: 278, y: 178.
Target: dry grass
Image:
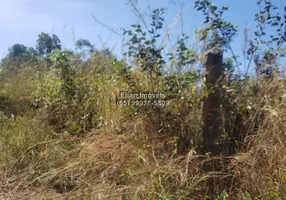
x: 128, y: 159
x: 260, y: 169
x: 105, y: 165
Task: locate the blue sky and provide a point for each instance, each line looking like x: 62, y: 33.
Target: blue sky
x: 22, y: 20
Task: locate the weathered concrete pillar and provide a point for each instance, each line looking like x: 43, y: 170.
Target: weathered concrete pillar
x: 212, y: 114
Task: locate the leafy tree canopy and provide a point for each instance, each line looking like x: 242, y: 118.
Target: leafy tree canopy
x: 83, y: 43
x: 47, y: 44
x: 17, y: 50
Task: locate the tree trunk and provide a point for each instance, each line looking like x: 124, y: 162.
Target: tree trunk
x: 212, y: 114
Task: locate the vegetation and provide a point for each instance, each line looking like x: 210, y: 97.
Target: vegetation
x: 67, y: 133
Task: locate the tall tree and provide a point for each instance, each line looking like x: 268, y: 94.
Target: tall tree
x: 85, y: 48
x: 47, y: 45
x: 84, y: 44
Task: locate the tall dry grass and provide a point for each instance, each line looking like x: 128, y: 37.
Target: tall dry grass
x: 133, y: 156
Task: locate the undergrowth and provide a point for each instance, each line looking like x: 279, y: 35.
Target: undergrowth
x: 130, y: 155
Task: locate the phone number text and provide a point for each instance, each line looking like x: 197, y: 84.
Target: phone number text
x: 141, y: 102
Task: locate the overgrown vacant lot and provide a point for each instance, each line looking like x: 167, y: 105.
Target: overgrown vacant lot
x: 56, y: 152
x: 67, y: 132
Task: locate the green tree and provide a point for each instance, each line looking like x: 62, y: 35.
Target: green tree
x: 84, y: 44
x: 61, y: 58
x: 32, y: 52
x: 46, y: 45
x: 85, y: 48
x: 18, y: 54
x: 143, y: 47
x: 17, y: 50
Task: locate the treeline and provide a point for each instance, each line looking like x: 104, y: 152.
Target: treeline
x: 46, y: 45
